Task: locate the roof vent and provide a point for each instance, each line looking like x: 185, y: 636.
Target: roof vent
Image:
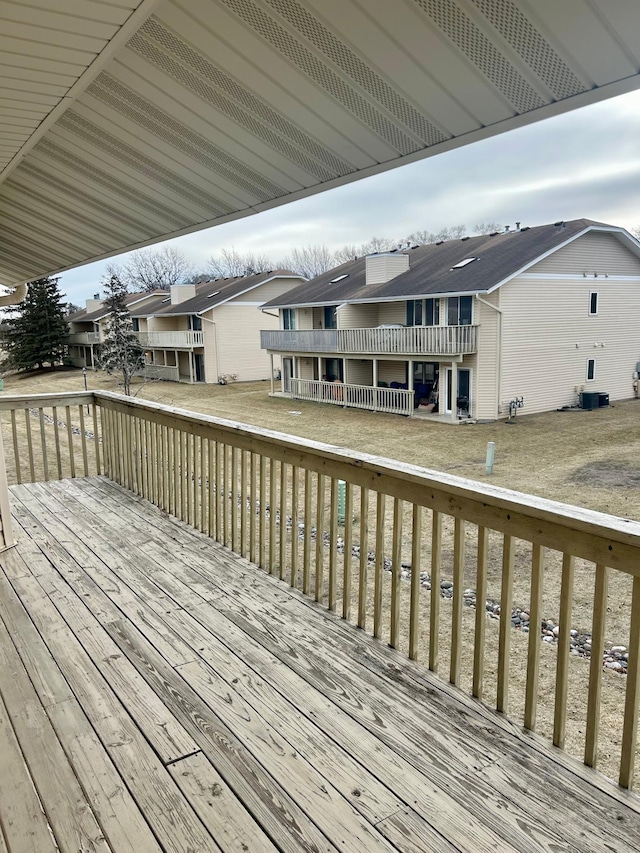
x: 526, y: 228
x: 560, y: 224
x: 507, y: 229
x: 465, y: 238
x: 494, y: 234
x: 96, y: 296
x: 517, y: 226
x: 439, y: 242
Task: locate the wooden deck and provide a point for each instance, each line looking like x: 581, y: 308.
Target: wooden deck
x: 162, y: 694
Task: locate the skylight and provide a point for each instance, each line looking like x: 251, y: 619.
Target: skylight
x: 339, y: 278
x: 213, y: 294
x: 464, y: 263
x: 168, y: 299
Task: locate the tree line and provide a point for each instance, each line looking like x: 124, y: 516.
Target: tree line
x: 159, y: 269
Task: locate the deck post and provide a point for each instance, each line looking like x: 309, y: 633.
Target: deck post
x: 273, y: 389
x: 7, y: 539
x: 453, y: 402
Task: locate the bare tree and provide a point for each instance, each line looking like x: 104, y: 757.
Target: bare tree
x: 152, y: 269
x: 310, y: 261
x: 230, y: 264
x: 636, y: 232
x: 484, y: 228
x: 347, y: 253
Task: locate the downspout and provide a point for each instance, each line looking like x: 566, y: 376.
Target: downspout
x: 499, y: 370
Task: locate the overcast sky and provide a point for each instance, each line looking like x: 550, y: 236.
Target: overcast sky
x: 585, y: 163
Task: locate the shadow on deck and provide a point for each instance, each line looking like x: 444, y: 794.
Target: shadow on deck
x: 163, y: 694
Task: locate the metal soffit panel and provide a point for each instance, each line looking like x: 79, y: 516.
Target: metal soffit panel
x: 125, y: 121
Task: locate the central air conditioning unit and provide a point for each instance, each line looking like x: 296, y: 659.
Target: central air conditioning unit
x: 590, y: 400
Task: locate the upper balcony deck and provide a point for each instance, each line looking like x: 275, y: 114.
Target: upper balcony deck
x: 409, y: 340
x: 163, y: 693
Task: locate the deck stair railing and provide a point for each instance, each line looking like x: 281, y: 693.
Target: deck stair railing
x: 275, y: 499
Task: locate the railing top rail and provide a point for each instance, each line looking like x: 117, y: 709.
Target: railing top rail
x: 28, y: 401
x: 594, y: 536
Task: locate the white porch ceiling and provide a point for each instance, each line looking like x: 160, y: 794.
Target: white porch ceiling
x: 123, y: 122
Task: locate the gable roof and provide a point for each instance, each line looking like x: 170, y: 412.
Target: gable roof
x: 130, y: 299
x: 209, y: 294
x: 432, y: 271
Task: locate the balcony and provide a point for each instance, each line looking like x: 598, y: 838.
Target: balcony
x: 394, y: 401
x: 178, y: 626
x: 85, y: 338
x: 409, y: 340
x: 171, y: 340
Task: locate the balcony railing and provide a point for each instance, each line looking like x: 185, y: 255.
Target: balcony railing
x: 396, y: 401
x: 171, y: 340
x: 409, y: 340
x: 165, y: 372
x: 303, y: 340
x: 347, y: 528
x: 85, y: 338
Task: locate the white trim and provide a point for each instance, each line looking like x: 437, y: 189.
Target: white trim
x: 593, y: 293
x: 370, y: 301
x: 540, y: 276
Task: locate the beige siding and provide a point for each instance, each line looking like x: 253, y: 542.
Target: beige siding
x: 392, y: 312
x: 596, y: 252
x: 485, y: 363
x: 238, y: 330
x: 358, y: 316
x: 305, y: 368
x: 392, y: 371
x: 210, y: 349
x: 381, y: 268
x: 548, y: 337
x: 270, y: 290
x: 179, y: 323
x: 304, y: 319
x: 183, y: 365
x: 359, y: 372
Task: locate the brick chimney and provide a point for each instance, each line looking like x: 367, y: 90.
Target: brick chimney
x: 385, y: 266
x: 182, y: 292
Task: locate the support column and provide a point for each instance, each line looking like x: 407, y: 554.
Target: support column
x: 454, y: 392
x: 273, y: 389
x: 375, y: 372
x: 319, y: 368
x: 190, y: 367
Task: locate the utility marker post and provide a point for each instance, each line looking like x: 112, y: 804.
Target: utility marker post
x: 491, y: 453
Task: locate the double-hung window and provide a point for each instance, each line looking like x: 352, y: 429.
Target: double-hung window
x: 460, y: 310
x: 288, y: 318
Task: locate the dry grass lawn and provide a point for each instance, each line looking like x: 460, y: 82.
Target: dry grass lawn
x: 584, y: 458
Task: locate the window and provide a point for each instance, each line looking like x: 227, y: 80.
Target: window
x: 432, y: 312
x: 288, y: 318
x: 414, y: 312
x: 591, y: 369
x: 136, y: 324
x: 195, y: 323
x: 330, y: 317
x: 593, y: 302
x: 460, y: 310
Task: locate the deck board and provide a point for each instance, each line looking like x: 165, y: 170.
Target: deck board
x: 227, y: 710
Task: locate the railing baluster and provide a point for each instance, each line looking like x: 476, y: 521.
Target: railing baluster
x: 184, y: 474
x: 533, y: 653
x: 211, y: 523
x: 364, y: 557
x: 295, y: 515
x: 434, y: 602
x: 272, y: 516
x: 595, y: 666
x: 135, y: 440
x: 189, y: 474
x: 458, y: 591
x: 379, y: 565
x: 396, y: 568
x: 234, y: 499
x: 32, y: 470
x: 243, y: 503
x: 333, y: 544
x: 504, y: 642
x: 262, y: 562
x: 414, y: 607
x: 306, y: 555
x: 219, y: 492
x: 481, y: 613
x: 226, y: 496
x: 194, y: 471
x: 319, y: 566
x: 632, y: 696
x: 253, y: 502
x: 203, y: 487
x: 16, y: 449
x: 83, y: 442
x: 562, y: 664
x: 282, y: 559
x: 72, y: 461
x: 346, y: 542
x: 43, y: 445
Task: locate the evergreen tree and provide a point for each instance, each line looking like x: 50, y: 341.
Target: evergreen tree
x: 120, y: 351
x: 37, y: 329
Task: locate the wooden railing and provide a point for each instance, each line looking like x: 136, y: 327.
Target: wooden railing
x: 299, y: 340
x: 185, y: 339
x: 84, y: 338
x: 160, y: 371
x: 410, y: 340
x: 396, y: 401
x: 368, y: 536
